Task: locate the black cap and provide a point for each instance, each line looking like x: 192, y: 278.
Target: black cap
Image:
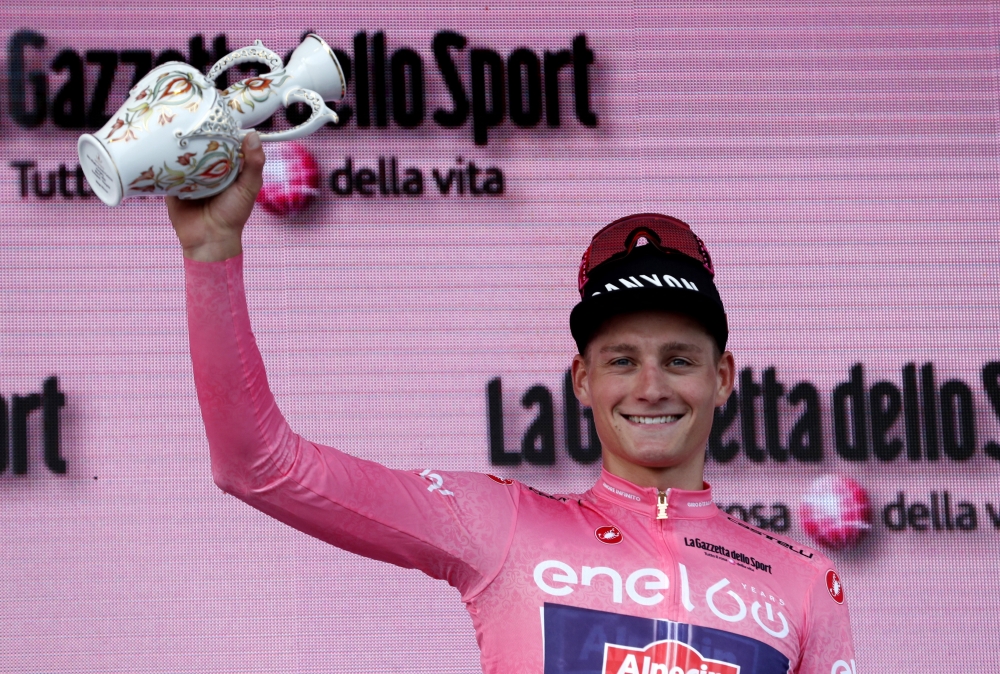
x: 648, y: 277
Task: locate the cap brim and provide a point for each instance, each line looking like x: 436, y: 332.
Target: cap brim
x: 588, y: 316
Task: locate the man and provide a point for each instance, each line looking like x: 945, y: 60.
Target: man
x: 642, y: 574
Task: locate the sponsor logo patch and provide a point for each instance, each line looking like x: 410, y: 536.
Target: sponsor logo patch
x: 734, y: 556
x: 608, y: 534
x: 835, y: 587
x: 584, y: 641
x: 661, y: 657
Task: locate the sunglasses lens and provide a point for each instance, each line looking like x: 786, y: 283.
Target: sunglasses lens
x: 620, y: 237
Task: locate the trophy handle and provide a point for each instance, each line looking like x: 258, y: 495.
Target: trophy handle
x: 320, y: 116
x: 255, y: 53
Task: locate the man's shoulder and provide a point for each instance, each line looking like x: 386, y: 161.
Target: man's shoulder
x: 528, y: 492
x: 793, y: 551
x: 462, y: 482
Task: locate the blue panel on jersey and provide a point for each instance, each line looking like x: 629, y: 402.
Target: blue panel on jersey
x: 575, y: 641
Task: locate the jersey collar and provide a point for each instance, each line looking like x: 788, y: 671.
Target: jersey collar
x: 681, y: 503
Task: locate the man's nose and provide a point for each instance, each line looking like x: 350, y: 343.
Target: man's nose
x: 652, y: 385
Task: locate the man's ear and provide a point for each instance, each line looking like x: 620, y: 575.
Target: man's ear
x: 727, y: 378
x: 581, y: 380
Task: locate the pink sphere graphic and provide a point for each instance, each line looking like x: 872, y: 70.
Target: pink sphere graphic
x: 291, y: 178
x: 836, y: 512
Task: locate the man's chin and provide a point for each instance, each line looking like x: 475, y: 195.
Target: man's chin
x: 663, y: 441
x: 654, y: 457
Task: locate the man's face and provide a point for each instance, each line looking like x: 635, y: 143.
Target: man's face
x: 653, y: 381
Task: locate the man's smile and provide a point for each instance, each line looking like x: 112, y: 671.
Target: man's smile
x: 664, y: 419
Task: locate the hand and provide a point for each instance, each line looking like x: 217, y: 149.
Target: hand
x: 210, y: 229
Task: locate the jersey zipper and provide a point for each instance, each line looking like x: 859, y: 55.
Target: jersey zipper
x: 669, y: 559
x: 661, y: 505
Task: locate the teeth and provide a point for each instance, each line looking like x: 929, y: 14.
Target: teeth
x: 653, y: 420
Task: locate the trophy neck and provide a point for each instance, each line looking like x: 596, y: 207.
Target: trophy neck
x: 255, y: 99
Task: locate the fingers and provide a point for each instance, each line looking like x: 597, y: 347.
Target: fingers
x: 228, y: 212
x: 176, y: 210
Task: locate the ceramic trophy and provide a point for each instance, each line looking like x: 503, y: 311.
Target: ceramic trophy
x: 177, y: 134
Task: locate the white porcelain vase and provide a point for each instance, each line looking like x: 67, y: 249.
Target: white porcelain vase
x: 177, y: 134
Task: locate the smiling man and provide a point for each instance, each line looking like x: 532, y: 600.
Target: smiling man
x: 653, y: 380
x: 651, y: 332
x: 642, y: 574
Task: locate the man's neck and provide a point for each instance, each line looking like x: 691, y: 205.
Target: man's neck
x: 689, y: 476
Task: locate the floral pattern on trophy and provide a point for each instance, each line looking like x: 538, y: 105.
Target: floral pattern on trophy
x: 171, y: 89
x: 177, y: 134
x: 191, y: 172
x: 254, y: 90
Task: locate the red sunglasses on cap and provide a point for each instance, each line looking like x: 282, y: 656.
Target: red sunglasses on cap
x: 621, y: 236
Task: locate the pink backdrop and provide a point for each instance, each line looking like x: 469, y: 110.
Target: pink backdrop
x: 840, y: 161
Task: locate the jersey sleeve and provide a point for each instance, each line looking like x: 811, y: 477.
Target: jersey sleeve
x: 453, y: 526
x: 829, y: 644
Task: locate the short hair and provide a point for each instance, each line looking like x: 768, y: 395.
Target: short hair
x: 716, y: 350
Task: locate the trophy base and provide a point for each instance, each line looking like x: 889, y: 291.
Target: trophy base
x: 100, y: 170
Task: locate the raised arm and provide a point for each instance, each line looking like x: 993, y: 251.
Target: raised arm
x: 453, y: 526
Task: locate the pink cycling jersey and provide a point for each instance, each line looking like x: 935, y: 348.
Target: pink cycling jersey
x: 618, y: 580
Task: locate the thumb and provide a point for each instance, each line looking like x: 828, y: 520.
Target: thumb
x: 252, y: 176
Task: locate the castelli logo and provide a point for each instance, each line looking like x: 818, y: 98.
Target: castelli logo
x: 608, y: 534
x: 663, y: 657
x: 835, y: 587
x: 501, y: 480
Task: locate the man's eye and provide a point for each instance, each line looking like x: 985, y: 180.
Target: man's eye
x: 678, y: 362
x: 621, y: 361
